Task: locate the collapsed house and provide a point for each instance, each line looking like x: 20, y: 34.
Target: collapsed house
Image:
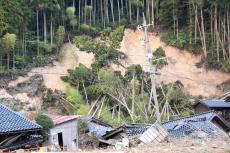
x: 208, y: 123
x: 220, y: 106
x: 17, y: 132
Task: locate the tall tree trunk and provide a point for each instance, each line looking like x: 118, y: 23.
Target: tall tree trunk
x: 111, y: 4
x: 102, y: 15
x: 51, y: 29
x: 122, y: 7
x: 37, y: 15
x: 79, y: 14
x: 106, y: 10
x: 216, y: 33
x: 45, y: 29
x: 119, y: 13
x: 130, y: 11
x: 90, y: 18
x: 138, y: 14
x: 196, y: 19
x: 85, y: 11
x: 153, y: 13
x: 228, y: 27
x: 8, y: 62
x: 203, y: 33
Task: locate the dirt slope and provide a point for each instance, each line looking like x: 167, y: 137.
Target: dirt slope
x: 72, y: 57
x: 181, y: 65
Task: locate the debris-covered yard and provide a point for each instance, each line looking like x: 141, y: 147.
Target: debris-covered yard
x: 215, y: 145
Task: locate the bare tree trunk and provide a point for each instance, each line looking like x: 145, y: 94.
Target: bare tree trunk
x: 111, y: 4
x: 196, y: 24
x: 119, y: 13
x: 138, y: 14
x: 228, y: 26
x: 102, y: 15
x: 8, y: 62
x: 153, y: 13
x: 122, y: 7
x: 133, y: 95
x: 51, y: 29
x: 130, y: 11
x: 79, y: 14
x: 86, y: 96
x: 45, y: 29
x: 37, y: 14
x: 216, y: 31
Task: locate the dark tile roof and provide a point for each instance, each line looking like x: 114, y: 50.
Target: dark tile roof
x: 214, y: 103
x: 176, y: 128
x: 130, y: 129
x: 201, y: 122
x: 12, y: 122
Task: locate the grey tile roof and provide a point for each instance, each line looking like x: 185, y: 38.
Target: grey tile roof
x: 216, y: 103
x: 185, y: 126
x: 12, y: 122
x: 176, y: 128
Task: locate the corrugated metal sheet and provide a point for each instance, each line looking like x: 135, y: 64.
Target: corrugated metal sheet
x: 62, y: 119
x: 155, y: 134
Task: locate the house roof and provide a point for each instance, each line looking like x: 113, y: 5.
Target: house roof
x: 63, y: 119
x: 177, y: 128
x: 214, y: 103
x: 12, y: 122
x: 130, y: 129
x: 200, y: 122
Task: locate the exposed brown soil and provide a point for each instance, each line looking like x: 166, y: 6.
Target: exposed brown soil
x: 51, y: 74
x: 181, y: 65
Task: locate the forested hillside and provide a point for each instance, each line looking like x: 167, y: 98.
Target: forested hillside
x: 32, y: 31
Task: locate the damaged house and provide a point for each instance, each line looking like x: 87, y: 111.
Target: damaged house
x: 220, y: 106
x: 17, y: 132
x: 208, y: 123
x: 70, y: 132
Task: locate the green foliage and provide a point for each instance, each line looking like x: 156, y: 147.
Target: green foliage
x: 105, y: 33
x: 45, y: 121
x: 74, y: 97
x: 45, y: 47
x: 88, y: 9
x: 40, y: 59
x: 60, y: 36
x: 159, y: 57
x: 116, y: 37
x: 70, y: 11
x: 137, y: 69
x: 8, y: 42
x: 2, y: 69
x: 108, y: 81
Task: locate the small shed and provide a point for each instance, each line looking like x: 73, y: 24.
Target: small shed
x: 16, y: 131
x: 220, y: 106
x: 64, y: 132
x: 67, y: 133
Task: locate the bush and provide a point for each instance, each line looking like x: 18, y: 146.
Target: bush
x: 158, y: 55
x: 40, y: 60
x: 116, y: 37
x: 74, y: 97
x: 60, y: 36
x: 2, y: 69
x: 45, y: 121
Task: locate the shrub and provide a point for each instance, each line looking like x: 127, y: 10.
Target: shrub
x: 40, y: 60
x: 74, y: 97
x: 2, y: 69
x: 60, y: 36
x: 116, y: 37
x: 159, y: 56
x: 45, y: 121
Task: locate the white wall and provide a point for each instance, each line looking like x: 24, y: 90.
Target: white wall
x: 69, y: 133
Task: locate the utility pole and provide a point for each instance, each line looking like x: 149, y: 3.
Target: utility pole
x: 152, y: 69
